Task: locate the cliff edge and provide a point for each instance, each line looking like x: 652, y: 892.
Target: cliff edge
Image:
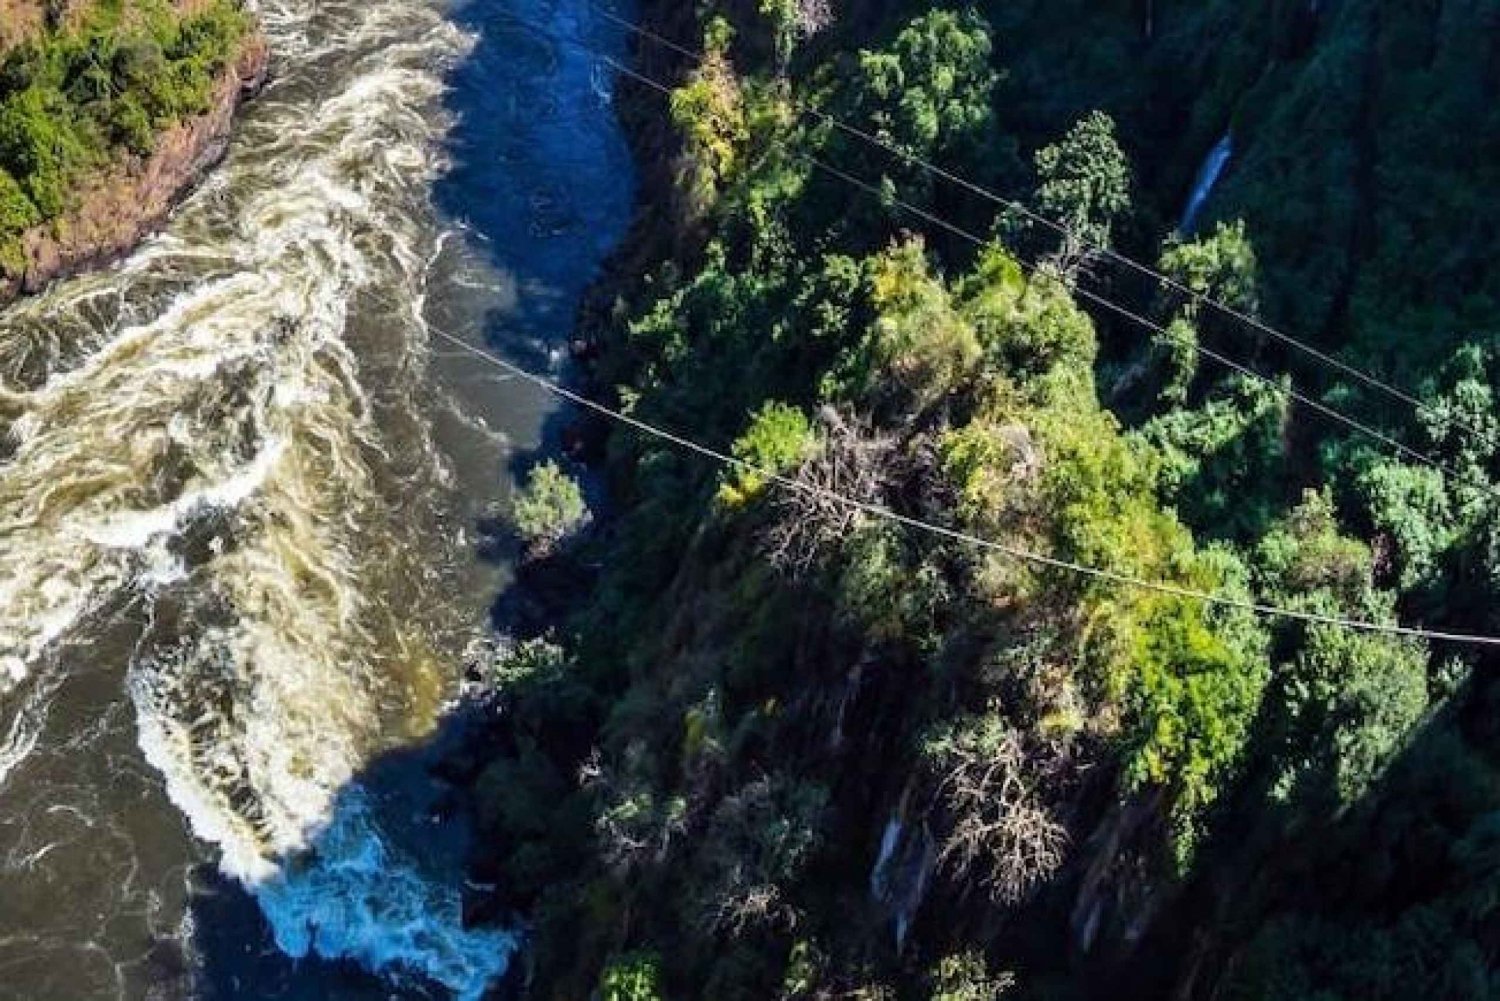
x: 115, y: 206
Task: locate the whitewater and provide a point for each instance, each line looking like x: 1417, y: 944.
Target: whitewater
x: 239, y: 491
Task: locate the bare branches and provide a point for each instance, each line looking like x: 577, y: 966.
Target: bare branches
x: 852, y: 461
x: 742, y: 907
x: 813, y: 16
x: 1001, y: 833
x: 634, y: 829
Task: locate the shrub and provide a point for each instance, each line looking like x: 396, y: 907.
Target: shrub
x: 710, y: 111
x: 634, y: 976
x: 778, y: 439
x: 17, y: 213
x: 965, y: 977
x: 549, y: 508
x: 130, y: 126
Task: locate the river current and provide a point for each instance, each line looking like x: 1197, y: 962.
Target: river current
x: 239, y: 489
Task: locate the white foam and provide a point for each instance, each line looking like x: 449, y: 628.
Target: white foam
x: 258, y: 726
x: 355, y: 896
x: 136, y: 529
x: 25, y: 728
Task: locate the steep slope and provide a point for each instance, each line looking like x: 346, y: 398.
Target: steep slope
x: 789, y: 750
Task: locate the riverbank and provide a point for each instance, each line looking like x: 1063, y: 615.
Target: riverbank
x: 121, y: 205
x: 656, y: 228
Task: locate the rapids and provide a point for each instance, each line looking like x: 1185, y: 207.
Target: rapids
x: 238, y: 485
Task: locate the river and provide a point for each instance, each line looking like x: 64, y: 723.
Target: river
x: 240, y: 485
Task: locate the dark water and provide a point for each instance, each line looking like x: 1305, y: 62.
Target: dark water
x: 238, y: 571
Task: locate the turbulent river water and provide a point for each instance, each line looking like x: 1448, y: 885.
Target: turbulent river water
x: 239, y: 485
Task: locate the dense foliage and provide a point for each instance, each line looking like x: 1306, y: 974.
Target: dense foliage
x: 81, y: 94
x: 790, y: 749
x: 549, y: 508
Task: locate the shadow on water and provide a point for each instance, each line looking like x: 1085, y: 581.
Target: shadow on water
x: 542, y: 183
x: 381, y: 885
x: 541, y: 178
x: 540, y: 190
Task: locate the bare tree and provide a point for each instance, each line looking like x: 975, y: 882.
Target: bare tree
x: 853, y: 461
x: 758, y: 841
x: 741, y: 907
x: 1001, y: 833
x: 813, y: 16
x: 633, y: 828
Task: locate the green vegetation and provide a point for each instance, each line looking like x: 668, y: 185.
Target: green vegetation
x: 549, y: 508
x: 630, y: 978
x: 785, y: 749
x: 77, y: 97
x: 1084, y: 183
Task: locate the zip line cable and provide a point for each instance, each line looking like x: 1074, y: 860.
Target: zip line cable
x: 1198, y: 298
x: 1287, y: 392
x: 953, y: 534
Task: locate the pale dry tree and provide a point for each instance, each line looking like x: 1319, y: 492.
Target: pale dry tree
x: 632, y: 827
x: 813, y: 16
x: 743, y: 907
x: 852, y: 461
x: 1001, y: 834
x: 757, y: 842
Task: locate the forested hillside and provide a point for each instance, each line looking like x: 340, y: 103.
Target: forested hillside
x: 88, y: 91
x: 785, y: 748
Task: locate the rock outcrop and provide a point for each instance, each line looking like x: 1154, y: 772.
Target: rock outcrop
x: 119, y: 207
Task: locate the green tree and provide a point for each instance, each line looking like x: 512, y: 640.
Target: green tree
x: 1221, y: 266
x: 709, y: 110
x: 930, y: 92
x: 1346, y: 702
x: 1084, y: 183
x: 1222, y: 462
x: 634, y: 976
x: 549, y: 508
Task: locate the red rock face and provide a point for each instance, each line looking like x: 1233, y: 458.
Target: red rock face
x: 120, y: 207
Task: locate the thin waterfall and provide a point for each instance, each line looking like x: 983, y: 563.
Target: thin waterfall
x: 1208, y: 176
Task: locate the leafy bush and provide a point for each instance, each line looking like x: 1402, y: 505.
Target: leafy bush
x: 549, y: 508
x: 964, y: 976
x: 778, y: 440
x: 919, y: 346
x: 631, y: 977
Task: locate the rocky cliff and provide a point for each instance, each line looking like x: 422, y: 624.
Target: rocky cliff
x: 119, y: 205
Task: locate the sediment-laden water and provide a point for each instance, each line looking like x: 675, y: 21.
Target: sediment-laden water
x: 239, y: 485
